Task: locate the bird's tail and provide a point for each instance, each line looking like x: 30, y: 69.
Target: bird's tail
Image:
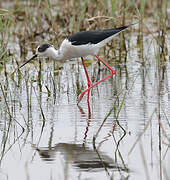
x: 115, y: 31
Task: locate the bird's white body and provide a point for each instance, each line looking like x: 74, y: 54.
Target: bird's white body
x: 68, y: 51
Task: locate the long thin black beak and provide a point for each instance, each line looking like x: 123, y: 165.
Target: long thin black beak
x: 29, y: 60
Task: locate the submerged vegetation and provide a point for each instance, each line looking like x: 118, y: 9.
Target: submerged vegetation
x: 37, y: 98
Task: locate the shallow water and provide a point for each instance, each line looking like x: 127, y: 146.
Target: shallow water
x: 45, y: 135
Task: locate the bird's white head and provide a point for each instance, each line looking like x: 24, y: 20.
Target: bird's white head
x: 44, y: 50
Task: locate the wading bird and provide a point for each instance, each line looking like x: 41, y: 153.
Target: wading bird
x: 81, y: 44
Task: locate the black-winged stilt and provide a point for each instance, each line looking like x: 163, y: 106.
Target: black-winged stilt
x: 81, y: 44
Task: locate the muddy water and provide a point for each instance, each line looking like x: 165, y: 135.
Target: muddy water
x: 45, y: 135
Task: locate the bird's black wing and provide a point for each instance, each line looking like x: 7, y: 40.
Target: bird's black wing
x: 93, y: 36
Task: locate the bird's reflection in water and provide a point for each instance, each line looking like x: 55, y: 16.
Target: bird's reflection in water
x: 79, y: 156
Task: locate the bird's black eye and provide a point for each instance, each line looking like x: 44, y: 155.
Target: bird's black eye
x: 43, y: 47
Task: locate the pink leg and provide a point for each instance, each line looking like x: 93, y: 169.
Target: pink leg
x: 112, y: 73
x: 87, y: 76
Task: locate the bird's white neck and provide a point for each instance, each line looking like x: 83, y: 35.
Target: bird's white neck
x: 54, y: 54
